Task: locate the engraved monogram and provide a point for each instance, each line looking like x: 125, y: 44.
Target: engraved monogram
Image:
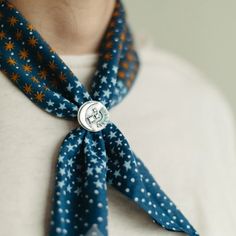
x: 93, y: 116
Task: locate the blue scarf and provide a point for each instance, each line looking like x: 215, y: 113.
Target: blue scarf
x: 96, y: 153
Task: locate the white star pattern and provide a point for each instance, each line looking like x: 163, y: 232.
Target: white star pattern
x: 62, y: 106
x: 107, y: 93
x: 50, y: 103
x: 127, y: 165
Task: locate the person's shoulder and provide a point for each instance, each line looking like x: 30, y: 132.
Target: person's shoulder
x: 181, y: 78
x: 166, y: 62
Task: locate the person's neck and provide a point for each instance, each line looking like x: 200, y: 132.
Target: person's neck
x: 68, y: 26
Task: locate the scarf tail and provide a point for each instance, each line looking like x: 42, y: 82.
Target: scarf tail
x: 80, y: 194
x: 128, y: 174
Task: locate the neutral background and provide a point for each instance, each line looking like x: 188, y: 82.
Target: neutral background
x: 201, y: 31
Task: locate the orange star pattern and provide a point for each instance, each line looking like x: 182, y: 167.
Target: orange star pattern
x: 39, y: 96
x: 14, y: 77
x: 43, y: 74
x: 12, y: 21
x: 62, y: 76
x: 52, y: 65
x: 11, y: 61
x: 27, y: 89
x: 34, y: 79
x: 109, y: 44
x: 9, y: 46
x: 27, y: 68
x: 30, y: 27
x: 107, y: 56
x: 125, y: 65
x: 2, y: 35
x: 23, y: 54
x: 121, y: 74
x: 32, y: 41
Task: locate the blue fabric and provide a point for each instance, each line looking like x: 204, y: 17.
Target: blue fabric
x: 87, y: 161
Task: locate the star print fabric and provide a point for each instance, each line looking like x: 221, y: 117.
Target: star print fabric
x: 88, y: 161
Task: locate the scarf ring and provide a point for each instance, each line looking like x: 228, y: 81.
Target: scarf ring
x: 96, y: 153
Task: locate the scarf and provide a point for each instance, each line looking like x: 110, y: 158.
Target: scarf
x: 95, y: 153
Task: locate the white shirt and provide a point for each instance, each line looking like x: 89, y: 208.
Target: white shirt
x: 177, y: 123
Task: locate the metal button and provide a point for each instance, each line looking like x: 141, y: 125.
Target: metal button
x: 93, y: 116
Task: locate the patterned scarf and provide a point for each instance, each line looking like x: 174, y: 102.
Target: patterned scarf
x: 95, y: 153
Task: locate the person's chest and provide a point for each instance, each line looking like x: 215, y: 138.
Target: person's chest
x: 30, y: 139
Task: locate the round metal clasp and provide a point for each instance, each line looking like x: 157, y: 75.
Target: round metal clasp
x: 93, y: 116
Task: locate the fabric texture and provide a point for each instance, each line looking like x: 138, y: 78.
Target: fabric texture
x: 87, y: 161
